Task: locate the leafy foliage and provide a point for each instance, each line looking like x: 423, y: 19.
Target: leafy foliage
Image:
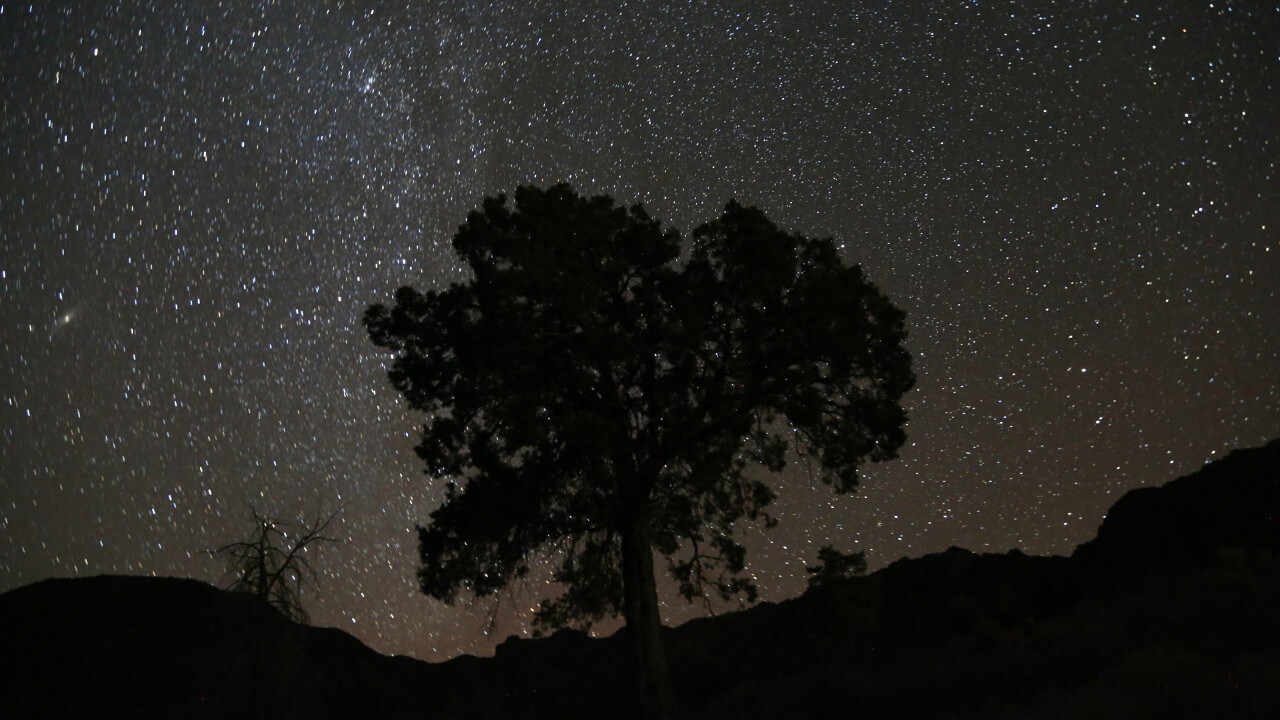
x: 598, y: 377
x: 835, y: 565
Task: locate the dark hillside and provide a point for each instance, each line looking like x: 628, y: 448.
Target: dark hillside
x: 119, y: 647
x: 1230, y: 505
x: 1170, y: 613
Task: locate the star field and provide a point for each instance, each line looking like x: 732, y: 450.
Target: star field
x: 1076, y: 203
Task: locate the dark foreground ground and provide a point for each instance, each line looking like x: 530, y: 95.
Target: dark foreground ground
x: 1172, y: 612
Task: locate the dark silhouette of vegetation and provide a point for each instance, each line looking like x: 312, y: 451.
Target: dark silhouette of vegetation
x: 599, y: 389
x: 1119, y: 630
x: 271, y: 563
x: 835, y: 565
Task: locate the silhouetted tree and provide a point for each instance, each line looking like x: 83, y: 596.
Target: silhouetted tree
x: 593, y: 392
x: 271, y: 562
x: 835, y: 565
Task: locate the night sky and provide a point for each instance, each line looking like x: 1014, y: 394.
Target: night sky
x: 1077, y: 204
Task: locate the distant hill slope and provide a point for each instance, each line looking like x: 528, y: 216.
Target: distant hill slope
x: 1230, y: 503
x: 126, y: 647
x: 1170, y: 613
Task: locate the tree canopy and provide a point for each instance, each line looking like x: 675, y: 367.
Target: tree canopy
x: 600, y: 388
x: 835, y: 566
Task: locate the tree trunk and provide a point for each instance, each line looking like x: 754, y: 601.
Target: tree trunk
x: 640, y: 600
